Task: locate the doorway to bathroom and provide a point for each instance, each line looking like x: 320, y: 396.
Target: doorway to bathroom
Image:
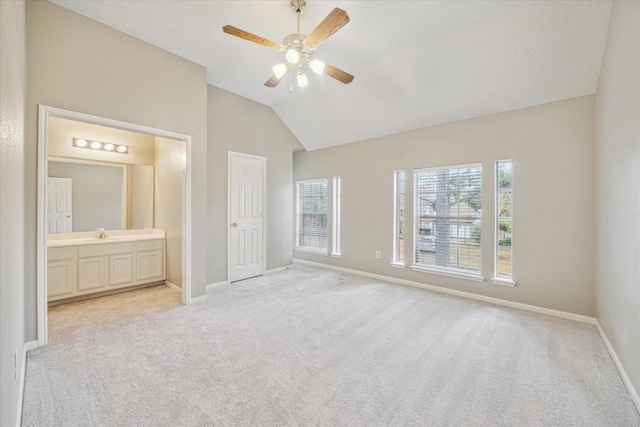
x: 152, y: 195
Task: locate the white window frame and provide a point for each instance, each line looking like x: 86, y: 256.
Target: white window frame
x: 337, y: 218
x: 398, y: 263
x: 449, y: 272
x: 498, y: 279
x: 318, y: 251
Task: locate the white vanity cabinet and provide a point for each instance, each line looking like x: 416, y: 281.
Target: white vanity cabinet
x: 62, y: 272
x: 106, y: 265
x: 150, y: 260
x: 98, y: 267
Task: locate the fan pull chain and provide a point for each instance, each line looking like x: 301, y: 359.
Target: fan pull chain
x: 290, y: 82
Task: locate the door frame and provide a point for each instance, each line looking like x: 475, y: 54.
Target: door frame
x: 230, y: 155
x: 44, y: 112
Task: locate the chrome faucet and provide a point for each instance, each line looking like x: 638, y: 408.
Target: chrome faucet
x: 101, y: 234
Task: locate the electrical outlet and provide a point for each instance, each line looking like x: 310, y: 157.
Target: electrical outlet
x: 377, y: 254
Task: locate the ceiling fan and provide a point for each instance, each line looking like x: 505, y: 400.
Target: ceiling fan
x: 299, y: 49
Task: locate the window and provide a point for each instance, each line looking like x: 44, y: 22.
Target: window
x: 448, y: 220
x: 504, y: 223
x: 311, y: 215
x: 398, y: 219
x: 336, y: 217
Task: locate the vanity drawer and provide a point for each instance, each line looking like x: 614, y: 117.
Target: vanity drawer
x: 59, y: 254
x: 108, y: 249
x: 151, y: 245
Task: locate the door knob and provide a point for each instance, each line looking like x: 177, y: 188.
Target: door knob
x: 234, y: 225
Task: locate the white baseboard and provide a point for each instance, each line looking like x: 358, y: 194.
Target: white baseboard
x: 30, y: 345
x: 277, y: 270
x: 226, y: 282
x: 173, y: 286
x: 468, y: 295
x: 216, y: 285
x: 616, y: 361
x: 198, y: 299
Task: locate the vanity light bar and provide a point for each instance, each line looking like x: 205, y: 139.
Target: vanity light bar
x: 97, y: 145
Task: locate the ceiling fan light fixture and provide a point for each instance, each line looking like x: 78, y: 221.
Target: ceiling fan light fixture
x: 302, y: 79
x: 280, y: 70
x: 293, y: 56
x: 317, y: 66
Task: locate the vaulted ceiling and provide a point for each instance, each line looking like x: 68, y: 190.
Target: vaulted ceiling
x: 416, y: 63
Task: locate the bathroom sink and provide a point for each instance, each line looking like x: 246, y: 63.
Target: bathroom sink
x: 107, y: 239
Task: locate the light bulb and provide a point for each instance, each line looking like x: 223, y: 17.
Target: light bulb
x: 317, y: 66
x: 280, y: 70
x: 81, y: 142
x: 293, y: 56
x: 96, y: 145
x: 302, y: 79
x: 109, y: 147
x: 122, y: 149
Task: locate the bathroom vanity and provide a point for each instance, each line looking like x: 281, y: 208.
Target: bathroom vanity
x: 80, y: 264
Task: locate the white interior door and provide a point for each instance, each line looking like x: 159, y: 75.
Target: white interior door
x: 246, y: 216
x: 59, y: 211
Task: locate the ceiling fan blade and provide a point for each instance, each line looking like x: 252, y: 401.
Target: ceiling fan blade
x: 337, y: 74
x: 273, y: 81
x: 337, y: 19
x: 229, y: 29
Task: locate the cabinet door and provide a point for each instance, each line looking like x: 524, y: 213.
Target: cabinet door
x: 61, y: 278
x: 150, y: 266
x: 92, y: 273
x: 120, y: 269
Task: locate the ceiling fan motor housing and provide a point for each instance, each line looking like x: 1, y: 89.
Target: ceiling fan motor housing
x: 295, y: 42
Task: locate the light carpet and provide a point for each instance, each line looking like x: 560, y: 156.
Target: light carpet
x: 310, y: 346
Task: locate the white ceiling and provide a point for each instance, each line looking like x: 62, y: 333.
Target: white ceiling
x: 416, y: 63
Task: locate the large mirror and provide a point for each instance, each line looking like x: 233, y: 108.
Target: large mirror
x: 86, y: 196
x: 89, y: 189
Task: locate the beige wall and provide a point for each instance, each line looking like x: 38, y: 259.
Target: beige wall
x: 140, y: 196
x: 170, y: 167
x: 77, y: 64
x: 62, y: 132
x: 238, y: 124
x: 12, y: 105
x: 617, y: 189
x: 552, y: 151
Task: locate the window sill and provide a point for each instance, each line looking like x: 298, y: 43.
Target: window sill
x: 336, y: 255
x: 397, y: 265
x: 312, y: 251
x: 448, y: 273
x: 502, y: 281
